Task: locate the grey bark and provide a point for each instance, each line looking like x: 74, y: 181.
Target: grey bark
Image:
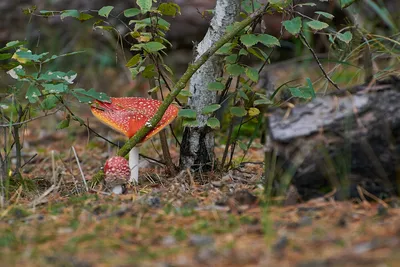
x: 341, y: 141
x: 197, y: 149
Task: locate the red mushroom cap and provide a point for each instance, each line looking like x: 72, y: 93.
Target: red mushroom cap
x: 128, y: 114
x: 116, y: 171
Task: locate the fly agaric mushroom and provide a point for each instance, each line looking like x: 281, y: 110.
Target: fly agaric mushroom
x: 129, y: 114
x: 117, y: 174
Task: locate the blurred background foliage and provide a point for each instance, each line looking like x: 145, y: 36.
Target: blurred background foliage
x: 102, y: 65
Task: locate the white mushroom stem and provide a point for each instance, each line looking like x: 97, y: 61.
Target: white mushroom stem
x: 118, y: 189
x: 134, y: 164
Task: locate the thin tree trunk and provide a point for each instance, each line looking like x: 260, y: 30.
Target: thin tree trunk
x: 197, y: 149
x: 170, y: 166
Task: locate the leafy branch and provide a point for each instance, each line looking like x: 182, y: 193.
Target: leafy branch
x: 180, y: 85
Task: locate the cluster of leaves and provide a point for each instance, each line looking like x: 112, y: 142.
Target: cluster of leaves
x: 149, y: 34
x: 298, y: 23
x: 42, y: 87
x: 243, y: 101
x: 146, y: 27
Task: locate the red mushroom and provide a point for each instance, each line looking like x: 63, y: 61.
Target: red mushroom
x: 127, y: 115
x: 117, y: 174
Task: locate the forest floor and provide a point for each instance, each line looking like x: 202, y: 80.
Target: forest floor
x: 212, y: 219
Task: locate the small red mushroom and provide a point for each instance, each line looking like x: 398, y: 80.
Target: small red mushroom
x: 129, y: 114
x: 117, y: 174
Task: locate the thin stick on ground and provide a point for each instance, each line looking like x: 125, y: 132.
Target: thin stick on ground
x: 40, y: 199
x: 80, y: 169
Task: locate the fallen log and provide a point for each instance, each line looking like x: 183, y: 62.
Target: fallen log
x: 344, y: 141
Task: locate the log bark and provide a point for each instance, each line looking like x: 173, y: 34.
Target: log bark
x: 343, y: 141
x: 197, y: 149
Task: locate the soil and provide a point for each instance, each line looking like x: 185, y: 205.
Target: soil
x: 212, y: 219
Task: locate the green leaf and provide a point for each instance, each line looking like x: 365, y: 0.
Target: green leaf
x: 145, y: 22
x: 70, y: 13
x: 33, y: 94
x: 235, y: 69
x: 243, y: 52
x: 317, y: 25
x: 253, y: 112
x: 238, y: 111
x: 262, y: 101
x: 11, y: 45
x: 131, y: 12
x: 55, y: 88
x: 29, y: 10
x: 325, y: 14
x: 153, y: 47
x: 226, y: 49
x: 105, y: 11
x: 145, y: 5
x: 5, y: 56
x: 249, y: 39
x: 346, y: 3
x: 169, y: 9
x: 281, y: 4
x: 210, y: 109
x: 105, y: 28
x: 48, y: 12
x: 185, y: 93
x: 149, y: 72
x: 49, y: 102
x: 154, y: 90
x: 213, y: 123
x: 310, y: 85
x: 78, y: 119
x: 293, y: 26
x: 133, y: 61
x: 249, y: 5
x: 167, y: 68
x: 302, y: 92
x: 63, y: 124
x: 84, y: 96
x: 252, y: 74
x: 345, y: 37
x: 231, y: 58
x: 255, y: 53
x: 135, y: 71
x: 50, y: 76
x: 190, y: 122
x: 268, y: 40
x: 84, y: 17
x: 17, y: 72
x: 243, y: 95
x: 216, y: 86
x: 23, y: 55
x: 242, y: 146
x: 187, y: 113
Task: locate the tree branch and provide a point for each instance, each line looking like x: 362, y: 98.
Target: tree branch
x: 318, y: 62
